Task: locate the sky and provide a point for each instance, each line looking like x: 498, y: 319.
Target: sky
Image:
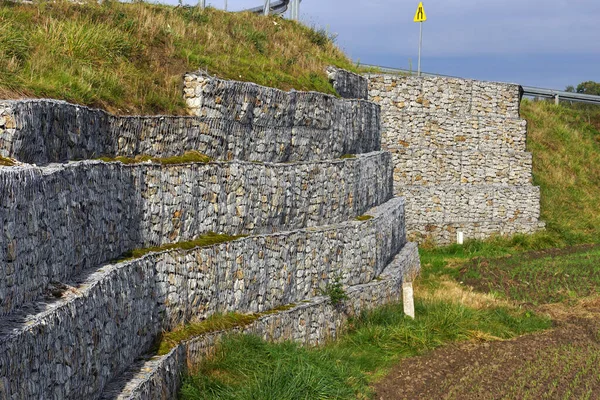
x: 543, y: 43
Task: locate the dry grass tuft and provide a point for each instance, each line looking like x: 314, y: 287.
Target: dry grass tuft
x: 451, y: 291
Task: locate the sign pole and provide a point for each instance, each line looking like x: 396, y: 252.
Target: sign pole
x: 420, y: 17
x: 420, y: 46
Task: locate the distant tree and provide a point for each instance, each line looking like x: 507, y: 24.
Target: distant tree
x: 589, y: 87
x: 570, y: 89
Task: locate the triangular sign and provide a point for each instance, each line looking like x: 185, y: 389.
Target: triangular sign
x: 420, y: 14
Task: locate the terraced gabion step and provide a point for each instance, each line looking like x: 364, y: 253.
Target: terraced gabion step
x: 455, y: 96
x: 426, y: 166
x: 61, y: 219
x: 437, y: 212
x: 463, y: 132
x: 237, y: 120
x: 312, y: 322
x: 470, y: 203
x: 446, y: 232
x: 71, y: 347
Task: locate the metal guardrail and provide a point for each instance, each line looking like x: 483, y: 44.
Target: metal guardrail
x: 278, y: 7
x: 530, y: 91
x: 274, y: 8
x: 559, y: 95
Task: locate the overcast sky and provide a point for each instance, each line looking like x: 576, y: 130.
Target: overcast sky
x: 545, y: 43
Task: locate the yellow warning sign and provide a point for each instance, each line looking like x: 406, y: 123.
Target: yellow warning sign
x: 420, y: 14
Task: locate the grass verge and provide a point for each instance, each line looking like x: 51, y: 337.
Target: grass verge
x: 188, y: 157
x: 128, y: 58
x: 245, y: 367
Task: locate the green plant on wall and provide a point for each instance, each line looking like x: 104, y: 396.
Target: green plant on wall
x: 335, y: 291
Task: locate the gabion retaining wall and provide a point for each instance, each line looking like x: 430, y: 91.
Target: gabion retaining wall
x: 44, y: 131
x: 71, y: 347
x: 458, y: 148
x: 443, y: 95
x: 452, y: 132
x: 311, y: 323
x: 61, y: 219
x: 348, y: 84
x: 426, y: 166
x: 71, y: 322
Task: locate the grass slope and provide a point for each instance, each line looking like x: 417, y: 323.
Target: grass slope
x: 130, y: 58
x: 565, y: 143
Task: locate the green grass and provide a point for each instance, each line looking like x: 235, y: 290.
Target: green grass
x: 188, y: 157
x: 129, y: 58
x: 565, y: 143
x: 245, y: 367
x: 440, y: 261
x: 208, y: 239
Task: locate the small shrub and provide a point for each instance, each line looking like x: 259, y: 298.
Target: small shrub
x: 335, y: 291
x: 319, y: 37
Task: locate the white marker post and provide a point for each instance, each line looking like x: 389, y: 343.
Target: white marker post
x: 420, y: 17
x: 408, y: 300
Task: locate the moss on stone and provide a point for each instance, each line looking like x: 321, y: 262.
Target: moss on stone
x: 364, y: 217
x: 207, y: 239
x: 187, y: 157
x: 6, y: 162
x: 347, y: 156
x: 216, y: 322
